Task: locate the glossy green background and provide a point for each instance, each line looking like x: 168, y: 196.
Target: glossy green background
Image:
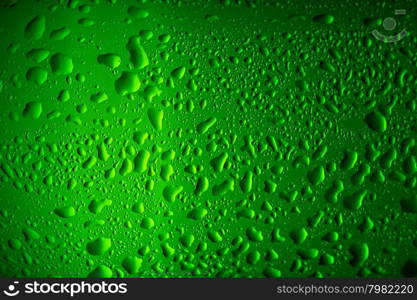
x: 305, y: 100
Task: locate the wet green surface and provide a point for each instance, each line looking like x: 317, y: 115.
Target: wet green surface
x: 207, y: 139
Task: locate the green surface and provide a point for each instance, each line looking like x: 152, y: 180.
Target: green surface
x: 207, y: 139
